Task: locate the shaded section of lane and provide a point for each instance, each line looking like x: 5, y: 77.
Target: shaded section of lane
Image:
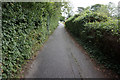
x: 60, y: 58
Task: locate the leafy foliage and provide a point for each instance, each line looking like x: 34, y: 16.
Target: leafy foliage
x: 99, y: 30
x: 96, y: 7
x: 80, y: 9
x: 24, y: 27
x: 62, y: 18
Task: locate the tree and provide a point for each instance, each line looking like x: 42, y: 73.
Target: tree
x: 80, y: 9
x: 113, y: 11
x: 62, y: 18
x: 103, y: 10
x: 67, y: 9
x: 96, y: 7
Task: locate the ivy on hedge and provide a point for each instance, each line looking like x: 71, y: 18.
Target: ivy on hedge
x: 25, y: 26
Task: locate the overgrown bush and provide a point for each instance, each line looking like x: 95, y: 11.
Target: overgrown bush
x: 98, y: 30
x: 106, y: 36
x: 25, y: 26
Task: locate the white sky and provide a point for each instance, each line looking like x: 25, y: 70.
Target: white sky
x: 85, y: 3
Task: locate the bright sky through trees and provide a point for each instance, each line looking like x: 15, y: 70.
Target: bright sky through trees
x: 85, y: 3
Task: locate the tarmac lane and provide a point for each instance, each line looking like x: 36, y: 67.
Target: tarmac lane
x: 61, y: 58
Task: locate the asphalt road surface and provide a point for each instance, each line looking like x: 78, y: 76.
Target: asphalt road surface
x: 61, y: 58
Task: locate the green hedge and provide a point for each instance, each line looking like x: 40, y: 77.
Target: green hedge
x: 25, y: 26
x: 105, y: 35
x: 100, y: 31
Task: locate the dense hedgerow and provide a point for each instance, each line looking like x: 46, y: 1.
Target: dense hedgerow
x: 105, y: 35
x: 25, y: 26
x: 100, y: 31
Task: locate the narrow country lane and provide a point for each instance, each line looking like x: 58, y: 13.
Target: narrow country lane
x: 61, y: 58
